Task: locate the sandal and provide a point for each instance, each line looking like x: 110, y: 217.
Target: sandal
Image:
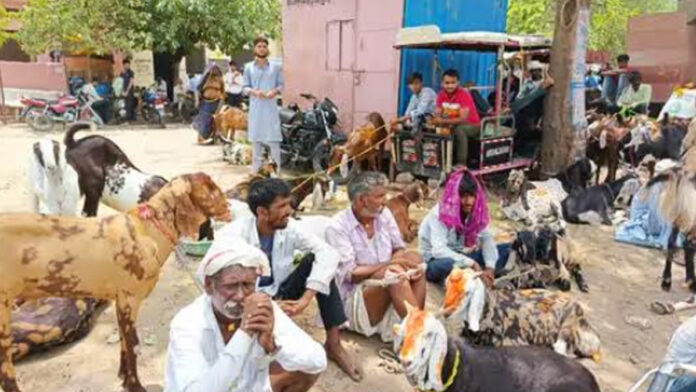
x: 662, y: 308
x: 389, y: 362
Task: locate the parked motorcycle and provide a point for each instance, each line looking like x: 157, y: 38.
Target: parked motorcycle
x: 41, y: 114
x: 309, y: 136
x: 152, y: 106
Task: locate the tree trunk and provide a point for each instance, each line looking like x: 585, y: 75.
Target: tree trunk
x: 564, y: 128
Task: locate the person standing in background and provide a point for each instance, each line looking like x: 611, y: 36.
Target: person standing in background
x: 263, y: 82
x: 234, y: 82
x: 128, y: 77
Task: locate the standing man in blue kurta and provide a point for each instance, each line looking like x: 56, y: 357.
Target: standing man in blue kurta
x: 263, y: 82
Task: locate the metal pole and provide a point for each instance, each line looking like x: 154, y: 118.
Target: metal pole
x: 499, y: 80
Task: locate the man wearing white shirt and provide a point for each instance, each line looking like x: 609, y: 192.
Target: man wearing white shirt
x: 234, y: 82
x: 234, y: 339
x: 294, y: 280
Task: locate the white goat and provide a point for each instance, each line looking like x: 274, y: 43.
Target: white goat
x: 52, y: 181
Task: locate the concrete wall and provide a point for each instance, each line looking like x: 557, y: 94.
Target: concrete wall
x: 343, y: 50
x: 661, y: 46
x: 46, y: 80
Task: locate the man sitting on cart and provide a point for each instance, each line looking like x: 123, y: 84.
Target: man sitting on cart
x: 528, y: 106
x: 455, y: 109
x: 422, y: 102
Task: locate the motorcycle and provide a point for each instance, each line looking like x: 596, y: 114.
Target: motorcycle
x: 42, y: 114
x: 153, y: 104
x: 309, y: 136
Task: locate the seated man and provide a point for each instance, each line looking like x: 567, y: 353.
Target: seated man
x: 422, y: 102
x: 370, y: 244
x: 455, y: 232
x: 233, y: 339
x: 528, y: 106
x: 295, y: 283
x: 681, y: 350
x: 615, y: 80
x: 636, y: 98
x: 89, y: 91
x: 455, y: 109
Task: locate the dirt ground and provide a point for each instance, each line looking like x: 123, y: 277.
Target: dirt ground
x: 623, y: 279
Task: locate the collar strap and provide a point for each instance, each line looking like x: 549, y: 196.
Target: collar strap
x: 146, y: 213
x: 453, y: 374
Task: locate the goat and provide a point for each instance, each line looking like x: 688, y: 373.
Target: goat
x: 240, y: 190
x: 360, y: 144
x: 105, y: 173
x: 236, y: 153
x: 301, y: 188
x: 229, y: 120
x: 604, y: 147
x: 574, y: 178
x: 114, y: 258
x: 667, y: 146
x: 526, y: 317
x: 596, y: 203
x: 531, y: 202
x: 433, y: 361
x: 52, y: 181
x: 398, y: 205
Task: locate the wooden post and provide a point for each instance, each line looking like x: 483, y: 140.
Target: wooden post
x: 565, y: 129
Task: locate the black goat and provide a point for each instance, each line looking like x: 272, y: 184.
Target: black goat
x: 597, y: 200
x: 433, y: 361
x: 574, y: 178
x: 667, y: 147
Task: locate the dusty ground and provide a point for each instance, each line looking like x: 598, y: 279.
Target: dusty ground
x: 624, y: 280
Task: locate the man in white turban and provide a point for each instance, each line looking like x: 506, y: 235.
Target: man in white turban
x: 234, y: 339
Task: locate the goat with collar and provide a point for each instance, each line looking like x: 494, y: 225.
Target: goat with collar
x: 519, y: 318
x: 53, y: 181
x: 434, y: 362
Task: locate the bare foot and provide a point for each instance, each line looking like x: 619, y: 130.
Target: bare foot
x: 338, y: 354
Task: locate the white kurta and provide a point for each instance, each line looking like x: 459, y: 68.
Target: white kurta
x: 264, y: 120
x: 199, y: 361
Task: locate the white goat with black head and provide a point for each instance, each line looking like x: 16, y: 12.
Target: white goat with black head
x: 52, y: 181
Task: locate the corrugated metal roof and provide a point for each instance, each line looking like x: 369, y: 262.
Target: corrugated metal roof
x: 451, y: 16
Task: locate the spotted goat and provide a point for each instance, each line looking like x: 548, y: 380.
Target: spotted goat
x: 518, y: 318
x: 117, y: 258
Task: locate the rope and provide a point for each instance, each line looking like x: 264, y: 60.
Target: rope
x: 334, y: 167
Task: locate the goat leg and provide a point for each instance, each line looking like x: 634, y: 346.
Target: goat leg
x: 689, y: 250
x: 8, y: 379
x: 671, y: 249
x: 580, y: 280
x: 126, y: 312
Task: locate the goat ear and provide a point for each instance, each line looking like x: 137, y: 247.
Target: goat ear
x: 187, y: 215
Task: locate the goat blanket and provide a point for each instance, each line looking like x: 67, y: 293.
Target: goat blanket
x: 646, y: 226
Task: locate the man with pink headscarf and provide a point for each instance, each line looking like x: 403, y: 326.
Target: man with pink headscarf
x: 455, y: 232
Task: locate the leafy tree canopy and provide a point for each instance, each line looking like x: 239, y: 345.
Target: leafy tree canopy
x: 174, y: 26
x: 609, y: 21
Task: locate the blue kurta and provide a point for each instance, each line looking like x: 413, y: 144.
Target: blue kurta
x: 264, y: 123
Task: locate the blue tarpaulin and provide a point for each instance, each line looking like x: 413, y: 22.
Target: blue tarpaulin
x: 451, y: 16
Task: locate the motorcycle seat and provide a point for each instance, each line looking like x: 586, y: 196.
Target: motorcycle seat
x: 287, y: 116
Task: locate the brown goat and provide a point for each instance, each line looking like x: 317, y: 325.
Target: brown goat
x: 360, y: 144
x: 229, y: 120
x: 398, y: 205
x: 118, y: 258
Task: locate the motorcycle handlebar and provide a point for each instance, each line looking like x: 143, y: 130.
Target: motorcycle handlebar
x: 309, y: 97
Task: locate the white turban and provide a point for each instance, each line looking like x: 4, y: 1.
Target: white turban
x: 223, y: 254
x: 534, y: 64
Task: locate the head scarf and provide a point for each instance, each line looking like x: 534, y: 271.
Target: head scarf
x: 450, y: 209
x: 228, y: 253
x: 206, y: 75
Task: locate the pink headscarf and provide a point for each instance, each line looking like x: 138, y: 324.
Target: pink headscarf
x: 450, y: 209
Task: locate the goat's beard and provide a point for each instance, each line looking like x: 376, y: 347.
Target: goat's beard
x: 230, y: 309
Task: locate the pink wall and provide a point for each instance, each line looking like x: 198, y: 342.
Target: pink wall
x: 342, y: 49
x: 33, y: 76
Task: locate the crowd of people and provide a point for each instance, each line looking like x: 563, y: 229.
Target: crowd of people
x: 264, y: 268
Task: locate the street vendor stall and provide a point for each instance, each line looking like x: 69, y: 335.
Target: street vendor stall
x: 428, y: 152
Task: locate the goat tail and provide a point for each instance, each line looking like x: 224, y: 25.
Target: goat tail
x: 69, y: 139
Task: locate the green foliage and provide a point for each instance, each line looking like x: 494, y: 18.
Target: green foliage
x: 4, y: 22
x: 174, y: 26
x: 609, y: 21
